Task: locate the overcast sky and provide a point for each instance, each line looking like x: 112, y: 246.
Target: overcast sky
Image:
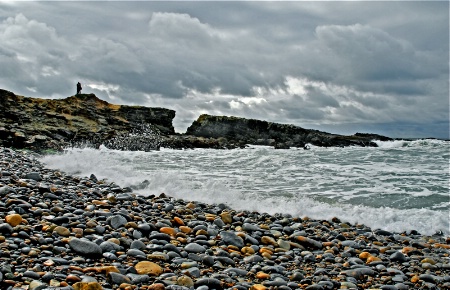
x: 341, y: 67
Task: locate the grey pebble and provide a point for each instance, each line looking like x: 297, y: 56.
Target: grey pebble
x: 85, y: 247
x: 194, y: 248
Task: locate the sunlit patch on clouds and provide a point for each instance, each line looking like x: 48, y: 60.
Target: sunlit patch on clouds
x: 109, y: 89
x: 48, y: 71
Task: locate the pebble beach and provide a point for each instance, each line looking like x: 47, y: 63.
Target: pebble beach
x: 65, y: 232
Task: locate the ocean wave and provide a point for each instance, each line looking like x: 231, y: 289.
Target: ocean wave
x: 380, y: 188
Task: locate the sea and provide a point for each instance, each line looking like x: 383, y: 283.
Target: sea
x: 398, y: 186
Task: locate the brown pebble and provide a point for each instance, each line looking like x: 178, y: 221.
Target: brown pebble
x: 78, y: 232
x: 226, y: 217
x: 91, y: 224
x: 157, y: 286
x: 168, y: 230
x: 372, y: 259
x: 102, y: 269
x: 85, y: 286
x: 132, y: 225
x: 266, y: 250
x: 364, y: 255
x: 262, y: 275
x: 267, y: 256
x: 72, y: 278
x: 76, y: 268
x: 13, y: 219
x: 268, y: 241
x: 247, y: 251
x: 185, y: 281
x: 126, y: 286
x: 147, y: 267
x: 428, y: 260
x: 185, y: 229
x: 100, y: 202
x: 191, y: 205
x: 258, y: 287
x: 201, y: 232
x: 49, y: 263
x: 62, y: 231
x: 177, y: 221
x: 114, y: 240
x: 444, y: 246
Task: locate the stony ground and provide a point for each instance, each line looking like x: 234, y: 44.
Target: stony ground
x: 64, y: 232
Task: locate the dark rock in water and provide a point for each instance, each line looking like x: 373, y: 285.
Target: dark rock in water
x: 93, y: 178
x: 281, y: 146
x: 250, y: 131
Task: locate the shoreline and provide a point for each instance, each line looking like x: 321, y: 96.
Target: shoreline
x: 68, y: 233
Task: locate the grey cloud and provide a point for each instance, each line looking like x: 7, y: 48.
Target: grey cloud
x: 372, y: 54
x: 379, y: 60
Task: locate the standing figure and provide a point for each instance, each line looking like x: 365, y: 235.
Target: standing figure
x: 78, y: 88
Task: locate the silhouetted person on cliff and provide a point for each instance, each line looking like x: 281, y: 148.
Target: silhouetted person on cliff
x: 79, y: 88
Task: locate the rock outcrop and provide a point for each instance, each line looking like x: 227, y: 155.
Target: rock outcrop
x: 242, y: 131
x: 35, y: 123
x: 85, y: 120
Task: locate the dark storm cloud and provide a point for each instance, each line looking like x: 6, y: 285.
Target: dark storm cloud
x: 305, y: 63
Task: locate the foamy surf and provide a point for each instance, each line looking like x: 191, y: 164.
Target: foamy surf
x: 378, y: 187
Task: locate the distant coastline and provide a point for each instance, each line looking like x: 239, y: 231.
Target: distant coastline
x: 85, y: 120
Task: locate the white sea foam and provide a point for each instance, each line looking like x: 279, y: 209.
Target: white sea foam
x: 374, y: 186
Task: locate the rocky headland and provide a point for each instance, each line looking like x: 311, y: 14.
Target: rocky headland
x: 40, y: 124
x: 85, y: 120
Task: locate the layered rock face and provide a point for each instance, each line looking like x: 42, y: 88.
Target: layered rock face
x: 51, y: 124
x: 85, y: 120
x: 250, y: 131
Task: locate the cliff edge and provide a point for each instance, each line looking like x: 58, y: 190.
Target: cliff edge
x: 36, y: 123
